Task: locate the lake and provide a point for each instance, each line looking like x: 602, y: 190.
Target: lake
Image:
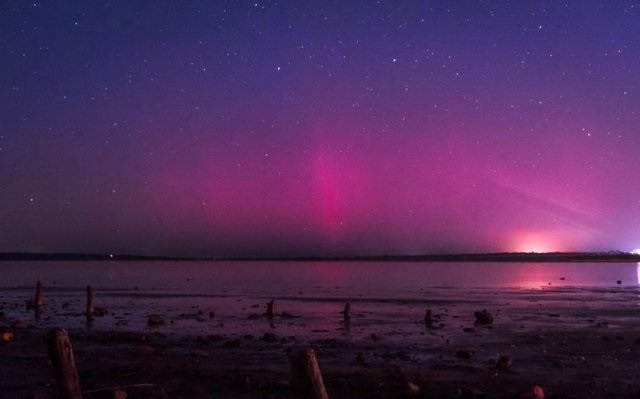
x: 388, y: 294
x: 277, y: 277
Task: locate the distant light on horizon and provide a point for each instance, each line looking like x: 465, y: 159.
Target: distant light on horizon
x: 635, y: 251
x: 538, y: 242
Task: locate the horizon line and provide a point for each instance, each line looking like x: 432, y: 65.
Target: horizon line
x: 612, y: 255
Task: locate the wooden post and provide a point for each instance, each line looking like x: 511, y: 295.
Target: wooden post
x: 64, y: 367
x: 270, y: 309
x: 36, y: 302
x: 90, y: 310
x: 307, y: 378
x: 347, y: 312
x: 38, y: 299
x: 428, y: 318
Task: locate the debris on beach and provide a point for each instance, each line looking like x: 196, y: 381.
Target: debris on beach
x: 483, y: 317
x: 464, y: 354
x: 429, y: 319
x: 412, y: 389
x: 232, y: 343
x: 533, y: 392
x: 127, y: 337
x: 268, y: 337
x: 269, y: 312
x: 504, y: 363
x: 142, y: 391
x: 6, y: 334
x: 469, y: 393
x: 346, y: 313
x: 287, y: 315
x: 155, y: 320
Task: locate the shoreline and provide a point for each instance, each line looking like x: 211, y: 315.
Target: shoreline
x: 530, y: 257
x: 575, y: 342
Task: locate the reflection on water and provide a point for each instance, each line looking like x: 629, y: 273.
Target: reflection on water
x: 363, y: 278
x: 386, y: 297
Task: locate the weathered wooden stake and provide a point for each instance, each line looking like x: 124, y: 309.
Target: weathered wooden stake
x: 90, y: 311
x: 347, y: 312
x: 38, y: 301
x: 428, y: 319
x: 270, y: 309
x: 64, y: 367
x: 307, y: 378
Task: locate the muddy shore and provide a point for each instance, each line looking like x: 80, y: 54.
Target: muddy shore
x: 573, y: 342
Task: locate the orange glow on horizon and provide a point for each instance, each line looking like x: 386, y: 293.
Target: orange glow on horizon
x: 536, y: 242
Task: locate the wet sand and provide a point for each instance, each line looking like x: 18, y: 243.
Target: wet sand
x: 574, y: 342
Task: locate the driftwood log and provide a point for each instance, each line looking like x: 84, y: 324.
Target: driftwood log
x: 307, y: 378
x: 64, y: 367
x: 68, y: 384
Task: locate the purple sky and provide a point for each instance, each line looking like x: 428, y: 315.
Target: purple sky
x: 319, y: 127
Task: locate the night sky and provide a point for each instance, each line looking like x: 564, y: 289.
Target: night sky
x: 243, y: 128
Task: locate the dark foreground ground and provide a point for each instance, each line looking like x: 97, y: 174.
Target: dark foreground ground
x: 573, y: 343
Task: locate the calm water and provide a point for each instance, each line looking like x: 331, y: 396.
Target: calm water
x: 386, y: 296
x: 276, y: 277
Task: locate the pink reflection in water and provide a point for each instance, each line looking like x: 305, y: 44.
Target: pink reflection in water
x: 266, y: 279
x: 387, y: 298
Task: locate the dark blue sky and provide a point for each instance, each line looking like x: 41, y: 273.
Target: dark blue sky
x: 320, y: 128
